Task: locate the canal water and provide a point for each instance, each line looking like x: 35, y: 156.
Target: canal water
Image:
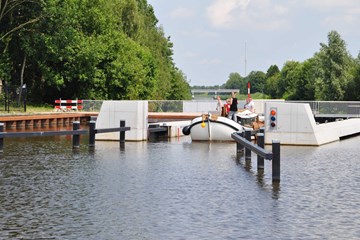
x: 176, y: 189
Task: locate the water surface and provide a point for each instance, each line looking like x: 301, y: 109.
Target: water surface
x: 176, y: 190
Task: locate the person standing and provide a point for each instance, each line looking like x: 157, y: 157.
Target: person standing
x: 233, y: 106
x: 249, y: 104
x: 219, y: 106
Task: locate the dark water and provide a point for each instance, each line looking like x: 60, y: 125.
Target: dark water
x: 176, y: 190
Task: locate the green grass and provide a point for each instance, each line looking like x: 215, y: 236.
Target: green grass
x: 39, y: 108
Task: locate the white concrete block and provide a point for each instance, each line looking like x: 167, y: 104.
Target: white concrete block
x: 133, y: 112
x: 296, y: 126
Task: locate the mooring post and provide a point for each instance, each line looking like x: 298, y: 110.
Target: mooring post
x: 122, y: 133
x: 260, y: 141
x: 276, y: 160
x: 1, y: 139
x: 92, y: 133
x: 262, y: 130
x: 247, y: 150
x: 76, y: 137
x: 239, y: 147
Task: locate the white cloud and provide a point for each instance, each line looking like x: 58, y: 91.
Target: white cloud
x: 337, y: 15
x: 221, y: 13
x: 326, y: 4
x: 254, y: 14
x: 183, y: 13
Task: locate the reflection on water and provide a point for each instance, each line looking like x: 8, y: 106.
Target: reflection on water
x: 175, y: 190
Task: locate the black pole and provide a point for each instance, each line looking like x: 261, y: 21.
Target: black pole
x: 262, y: 130
x: 122, y: 136
x: 92, y: 133
x: 1, y: 138
x: 276, y: 160
x: 122, y: 133
x: 76, y: 137
x: 247, y: 150
x: 260, y: 141
x: 239, y: 146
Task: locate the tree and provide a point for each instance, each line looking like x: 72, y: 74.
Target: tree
x: 334, y: 69
x: 272, y: 81
x: 89, y: 49
x: 17, y: 18
x: 292, y: 82
x: 309, y: 71
x: 353, y: 88
x: 257, y: 81
x: 235, y: 81
x: 13, y: 16
x: 273, y: 70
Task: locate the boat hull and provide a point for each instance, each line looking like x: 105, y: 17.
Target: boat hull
x: 212, y: 129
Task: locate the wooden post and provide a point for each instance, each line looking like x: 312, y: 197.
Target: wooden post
x: 1, y: 139
x: 76, y: 137
x: 260, y: 141
x: 247, y: 150
x: 276, y: 161
x: 92, y: 133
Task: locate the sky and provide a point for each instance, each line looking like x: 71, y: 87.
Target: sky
x: 213, y: 38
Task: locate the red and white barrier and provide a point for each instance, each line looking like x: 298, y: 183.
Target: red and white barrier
x: 68, y: 104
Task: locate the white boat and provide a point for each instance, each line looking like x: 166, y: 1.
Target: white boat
x: 211, y: 127
x: 246, y: 117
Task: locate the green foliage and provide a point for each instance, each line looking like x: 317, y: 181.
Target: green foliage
x: 257, y: 81
x: 334, y: 63
x: 92, y: 49
x: 353, y: 88
x: 99, y: 49
x: 331, y: 74
x: 235, y: 81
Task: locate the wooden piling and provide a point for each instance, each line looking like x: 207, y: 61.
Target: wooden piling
x: 92, y: 133
x: 1, y: 139
x: 239, y: 146
x: 76, y: 137
x: 276, y: 161
x: 260, y: 142
x: 248, y: 150
x: 122, y: 133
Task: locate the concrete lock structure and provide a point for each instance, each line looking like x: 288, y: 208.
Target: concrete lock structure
x: 294, y: 124
x: 136, y: 115
x: 290, y: 123
x: 133, y: 112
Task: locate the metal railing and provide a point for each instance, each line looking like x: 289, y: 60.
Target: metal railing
x: 319, y: 108
x: 333, y: 108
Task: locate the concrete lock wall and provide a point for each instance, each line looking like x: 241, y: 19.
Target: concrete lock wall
x: 133, y: 112
x: 295, y: 125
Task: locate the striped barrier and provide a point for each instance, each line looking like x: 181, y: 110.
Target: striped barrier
x: 68, y: 105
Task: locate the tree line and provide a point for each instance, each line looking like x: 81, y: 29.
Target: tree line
x: 332, y: 74
x: 87, y: 49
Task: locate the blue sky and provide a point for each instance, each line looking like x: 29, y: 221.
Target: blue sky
x: 212, y: 38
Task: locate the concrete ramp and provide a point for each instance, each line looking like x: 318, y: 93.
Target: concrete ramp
x: 294, y: 124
